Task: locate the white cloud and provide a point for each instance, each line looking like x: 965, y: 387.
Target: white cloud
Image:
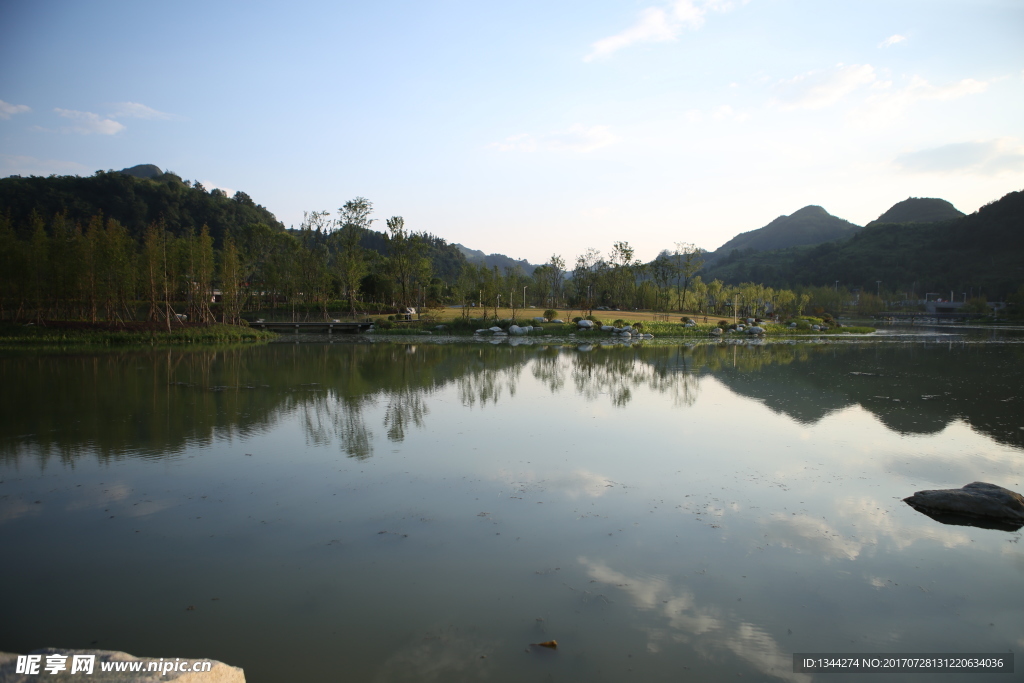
x: 984, y: 157
x: 578, y: 138
x: 657, y: 24
x: 887, y: 103
x: 210, y: 186
x: 726, y: 113
x: 135, y: 110
x: 892, y: 40
x: 86, y: 122
x: 25, y: 165
x: 817, y: 89
x: 8, y: 110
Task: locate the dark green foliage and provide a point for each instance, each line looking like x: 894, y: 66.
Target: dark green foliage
x: 135, y: 202
x: 808, y: 226
x: 983, y: 251
x: 919, y: 210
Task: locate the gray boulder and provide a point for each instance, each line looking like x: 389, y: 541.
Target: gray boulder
x: 585, y: 324
x: 558, y: 321
x: 755, y: 330
x: 607, y: 328
x: 717, y: 332
x: 495, y: 329
x: 540, y: 320
x: 515, y: 329
x: 973, y: 505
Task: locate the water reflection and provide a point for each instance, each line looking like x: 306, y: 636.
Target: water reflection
x: 157, y: 404
x: 429, y: 510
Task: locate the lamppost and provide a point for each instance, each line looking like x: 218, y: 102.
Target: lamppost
x: 878, y: 288
x: 837, y: 285
x: 524, y: 297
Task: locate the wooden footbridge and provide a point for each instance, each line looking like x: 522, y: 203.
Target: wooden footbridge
x: 328, y: 327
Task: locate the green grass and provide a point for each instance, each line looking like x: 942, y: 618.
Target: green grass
x: 13, y: 336
x: 462, y: 327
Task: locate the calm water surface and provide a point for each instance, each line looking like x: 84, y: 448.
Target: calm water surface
x: 411, y: 511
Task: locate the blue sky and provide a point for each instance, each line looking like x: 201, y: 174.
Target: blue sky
x: 530, y: 128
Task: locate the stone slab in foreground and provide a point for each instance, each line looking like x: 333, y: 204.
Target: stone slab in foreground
x: 977, y: 504
x: 218, y: 673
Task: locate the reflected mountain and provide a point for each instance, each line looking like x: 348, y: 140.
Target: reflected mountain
x: 155, y: 404
x: 910, y: 388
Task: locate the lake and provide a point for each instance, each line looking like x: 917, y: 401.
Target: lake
x: 416, y: 510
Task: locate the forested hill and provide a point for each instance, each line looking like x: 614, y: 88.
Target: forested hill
x: 479, y: 258
x: 981, y: 252
x: 808, y: 226
x: 919, y: 210
x: 134, y: 201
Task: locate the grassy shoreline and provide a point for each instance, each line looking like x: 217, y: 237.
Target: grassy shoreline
x: 77, y: 334
x: 660, y: 329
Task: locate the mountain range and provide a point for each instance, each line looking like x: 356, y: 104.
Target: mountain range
x: 917, y: 244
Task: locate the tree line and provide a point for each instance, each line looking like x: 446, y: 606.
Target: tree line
x: 113, y: 268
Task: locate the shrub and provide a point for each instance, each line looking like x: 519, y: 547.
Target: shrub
x: 577, y: 319
x: 591, y: 318
x: 723, y: 324
x: 639, y: 325
x: 685, y: 319
x: 551, y: 314
x: 619, y: 322
x: 385, y: 323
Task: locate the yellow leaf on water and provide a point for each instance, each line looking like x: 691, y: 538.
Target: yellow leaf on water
x: 549, y: 643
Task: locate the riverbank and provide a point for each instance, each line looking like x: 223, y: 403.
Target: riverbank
x: 660, y: 329
x: 79, y: 333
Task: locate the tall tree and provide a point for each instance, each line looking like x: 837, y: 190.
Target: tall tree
x: 689, y: 260
x: 350, y: 259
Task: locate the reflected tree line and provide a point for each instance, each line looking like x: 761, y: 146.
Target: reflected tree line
x: 146, y: 404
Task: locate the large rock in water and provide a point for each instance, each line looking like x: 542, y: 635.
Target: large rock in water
x: 977, y: 504
x: 218, y: 673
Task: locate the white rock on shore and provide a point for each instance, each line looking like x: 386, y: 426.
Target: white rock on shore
x: 218, y: 673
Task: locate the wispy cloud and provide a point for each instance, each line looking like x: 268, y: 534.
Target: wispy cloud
x: 25, y: 165
x: 822, y: 88
x: 886, y: 103
x: 134, y: 110
x: 984, y: 157
x: 892, y: 40
x: 8, y: 110
x: 86, y: 122
x: 725, y: 112
x: 577, y: 138
x: 659, y: 24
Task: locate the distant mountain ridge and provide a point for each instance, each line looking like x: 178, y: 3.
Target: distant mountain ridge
x: 919, y: 210
x: 479, y: 258
x: 808, y: 226
x: 149, y: 171
x: 982, y: 252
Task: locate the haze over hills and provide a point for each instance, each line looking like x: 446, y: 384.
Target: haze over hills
x: 479, y: 258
